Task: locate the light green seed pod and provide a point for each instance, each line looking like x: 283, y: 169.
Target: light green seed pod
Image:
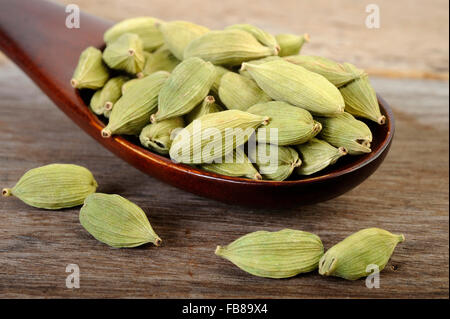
x: 161, y: 60
x: 346, y: 131
x: 145, y: 27
x: 293, y: 125
x: 91, y: 72
x: 284, y: 81
x: 274, y: 162
x: 187, y: 86
x: 103, y: 100
x: 317, y: 155
x: 132, y: 111
x: 208, y: 106
x: 178, y: 34
x: 350, y: 258
x: 220, y: 71
x: 291, y: 44
x: 54, y: 186
x: 229, y: 47
x: 257, y: 62
x: 239, y: 93
x: 128, y: 84
x: 116, y: 221
x: 158, y: 136
x: 126, y: 54
x: 214, y: 135
x: 332, y: 71
x: 235, y: 164
x: 360, y: 97
x: 262, y: 36
x: 282, y: 254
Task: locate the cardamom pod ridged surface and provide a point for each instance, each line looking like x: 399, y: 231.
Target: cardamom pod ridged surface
x: 103, y: 100
x: 125, y: 54
x: 54, y: 186
x: 158, y: 136
x: 187, y: 86
x: 291, y: 44
x: 160, y: 60
x: 262, y: 36
x: 132, y: 111
x: 280, y: 254
x: 291, y: 83
x: 350, y: 258
x: 91, y: 72
x: 208, y: 106
x: 116, y: 221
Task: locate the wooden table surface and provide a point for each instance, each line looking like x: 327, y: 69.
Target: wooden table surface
x: 408, y: 194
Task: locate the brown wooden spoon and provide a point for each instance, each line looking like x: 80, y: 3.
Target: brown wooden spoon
x: 34, y: 35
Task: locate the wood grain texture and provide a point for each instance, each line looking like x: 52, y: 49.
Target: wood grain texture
x: 408, y: 194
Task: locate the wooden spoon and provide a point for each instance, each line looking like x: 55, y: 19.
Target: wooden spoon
x: 34, y: 35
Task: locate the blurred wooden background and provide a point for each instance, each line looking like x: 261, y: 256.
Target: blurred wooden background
x: 408, y: 194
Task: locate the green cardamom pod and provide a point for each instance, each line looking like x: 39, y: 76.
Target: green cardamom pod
x: 317, y: 155
x: 208, y: 106
x: 91, y: 72
x: 274, y: 162
x: 220, y: 71
x: 282, y: 254
x: 158, y: 136
x: 160, y: 60
x: 262, y: 36
x: 54, y: 186
x: 292, y: 125
x: 235, y: 164
x: 214, y: 135
x: 346, y: 131
x: 116, y: 221
x: 178, y: 34
x: 239, y: 93
x: 186, y: 87
x: 257, y: 62
x: 287, y: 82
x: 291, y: 44
x: 145, y: 27
x: 332, y: 71
x: 350, y: 258
x: 128, y: 84
x: 132, y: 111
x: 103, y: 100
x: 360, y: 97
x: 126, y: 54
x: 229, y: 47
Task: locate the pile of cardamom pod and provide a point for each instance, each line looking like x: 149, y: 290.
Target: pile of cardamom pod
x: 186, y: 90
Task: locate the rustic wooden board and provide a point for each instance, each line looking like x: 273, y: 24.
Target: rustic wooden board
x: 408, y: 194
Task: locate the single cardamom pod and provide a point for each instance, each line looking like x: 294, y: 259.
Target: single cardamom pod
x: 262, y: 36
x: 346, y: 131
x: 360, y: 97
x: 214, y: 135
x: 291, y: 44
x: 350, y: 258
x: 274, y: 162
x: 103, y: 100
x: 178, y: 34
x: 220, y: 71
x: 257, y: 62
x: 126, y: 54
x: 128, y: 84
x: 54, y: 186
x: 239, y: 93
x: 116, y: 221
x: 332, y: 71
x: 158, y: 136
x: 144, y: 27
x: 132, y: 111
x: 292, y: 125
x: 91, y: 72
x: 282, y: 254
x: 284, y: 81
x: 229, y: 47
x: 235, y: 164
x: 186, y: 87
x: 317, y: 155
x: 161, y: 60
x: 208, y: 106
